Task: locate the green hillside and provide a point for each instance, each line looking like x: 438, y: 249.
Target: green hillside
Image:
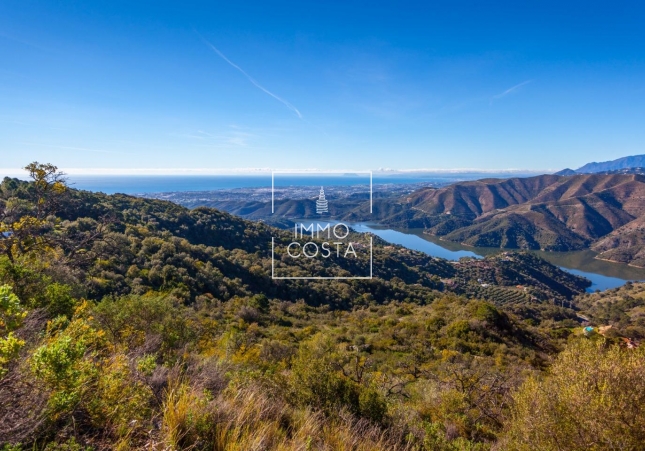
x: 128, y: 323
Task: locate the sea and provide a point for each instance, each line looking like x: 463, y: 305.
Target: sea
x: 140, y: 184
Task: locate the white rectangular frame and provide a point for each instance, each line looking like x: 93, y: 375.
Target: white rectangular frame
x: 273, y: 276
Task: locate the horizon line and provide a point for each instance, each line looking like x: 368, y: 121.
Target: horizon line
x: 267, y: 171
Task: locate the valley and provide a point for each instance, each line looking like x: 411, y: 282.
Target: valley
x: 602, y: 213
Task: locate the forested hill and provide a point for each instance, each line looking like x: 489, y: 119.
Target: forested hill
x: 117, y: 244
x: 128, y: 323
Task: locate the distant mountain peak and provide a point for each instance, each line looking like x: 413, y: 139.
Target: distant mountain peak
x: 634, y: 161
x: 566, y: 171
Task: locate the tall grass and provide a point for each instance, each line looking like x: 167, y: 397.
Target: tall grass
x: 249, y: 420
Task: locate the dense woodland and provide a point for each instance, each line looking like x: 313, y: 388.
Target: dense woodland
x: 130, y: 323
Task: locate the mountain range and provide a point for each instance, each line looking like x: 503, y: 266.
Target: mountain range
x: 599, y: 206
x: 633, y: 161
x: 604, y: 212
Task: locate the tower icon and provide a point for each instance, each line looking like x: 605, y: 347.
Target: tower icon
x: 321, y: 203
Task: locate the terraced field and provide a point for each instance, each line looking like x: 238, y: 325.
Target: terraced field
x: 502, y: 295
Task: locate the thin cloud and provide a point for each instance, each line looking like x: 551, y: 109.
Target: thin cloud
x: 234, y: 137
x: 82, y: 149
x: 251, y: 79
x: 13, y: 122
x: 455, y: 107
x: 23, y: 42
x: 510, y: 90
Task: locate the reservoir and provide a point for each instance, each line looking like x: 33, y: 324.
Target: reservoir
x: 603, y: 275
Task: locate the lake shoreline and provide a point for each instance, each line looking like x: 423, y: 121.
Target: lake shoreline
x: 602, y: 273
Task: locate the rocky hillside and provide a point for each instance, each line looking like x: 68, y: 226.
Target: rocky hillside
x: 602, y: 211
x: 625, y: 244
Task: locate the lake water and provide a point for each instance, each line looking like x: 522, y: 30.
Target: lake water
x: 603, y: 275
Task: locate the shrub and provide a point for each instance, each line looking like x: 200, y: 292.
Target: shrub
x: 592, y: 398
x: 86, y: 377
x: 458, y: 329
x: 130, y: 319
x: 69, y: 445
x: 59, y: 300
x: 11, y: 311
x: 317, y: 383
x: 259, y: 302
x: 65, y: 363
x: 12, y: 314
x: 485, y: 312
x: 372, y: 405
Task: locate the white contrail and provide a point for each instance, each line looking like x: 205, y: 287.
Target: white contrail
x: 251, y: 79
x: 510, y: 90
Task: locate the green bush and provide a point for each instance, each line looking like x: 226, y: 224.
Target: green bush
x: 12, y: 314
x: 458, y: 329
x: 592, y: 398
x: 69, y: 445
x: 59, y: 300
x: 372, y: 405
x: 317, y: 382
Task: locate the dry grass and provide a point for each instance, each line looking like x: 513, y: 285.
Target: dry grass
x: 248, y: 420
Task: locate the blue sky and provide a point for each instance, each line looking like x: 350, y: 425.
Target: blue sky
x: 120, y: 86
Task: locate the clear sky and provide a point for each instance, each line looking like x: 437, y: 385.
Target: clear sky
x: 321, y: 84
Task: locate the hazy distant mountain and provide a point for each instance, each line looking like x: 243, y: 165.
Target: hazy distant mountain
x: 636, y: 170
x: 566, y: 171
x: 634, y: 161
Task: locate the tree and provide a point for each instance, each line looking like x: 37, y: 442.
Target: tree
x: 30, y: 224
x: 48, y: 185
x: 22, y: 223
